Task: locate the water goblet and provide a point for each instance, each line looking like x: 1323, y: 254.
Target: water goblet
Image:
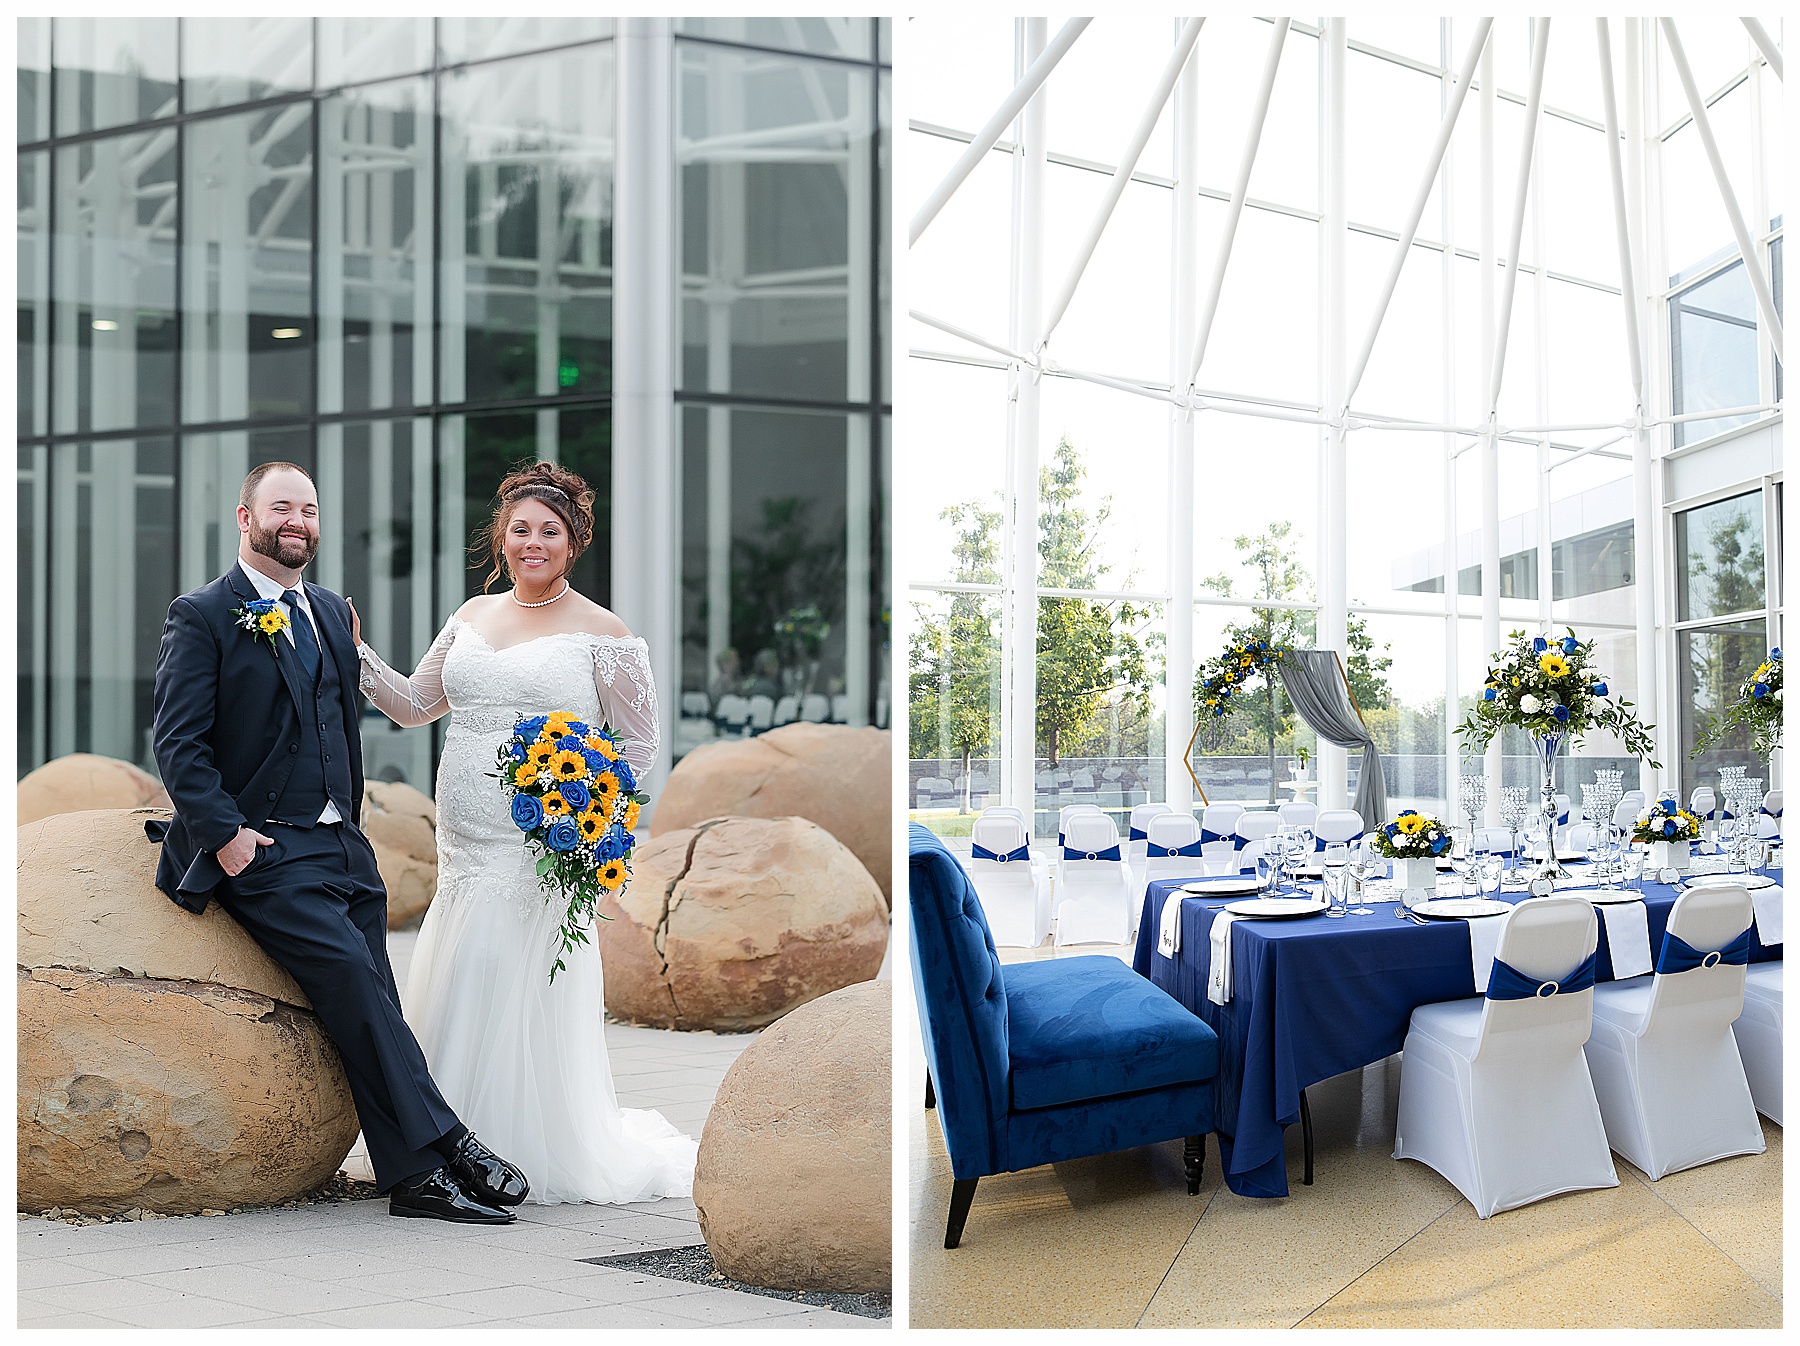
x: 1493, y: 868
x: 1336, y: 858
x: 1268, y: 870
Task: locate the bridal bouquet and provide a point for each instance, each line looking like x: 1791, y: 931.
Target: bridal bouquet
x: 1546, y: 688
x: 1665, y: 820
x: 1758, y: 705
x: 576, y: 800
x: 1411, y: 836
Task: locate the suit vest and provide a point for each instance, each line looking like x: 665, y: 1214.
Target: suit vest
x: 322, y: 750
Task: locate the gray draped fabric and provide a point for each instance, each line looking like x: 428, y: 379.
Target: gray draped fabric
x: 1317, y: 690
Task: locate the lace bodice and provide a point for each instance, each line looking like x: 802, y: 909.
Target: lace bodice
x: 485, y: 690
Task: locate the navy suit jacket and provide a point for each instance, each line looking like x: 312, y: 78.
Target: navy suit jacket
x: 227, y: 725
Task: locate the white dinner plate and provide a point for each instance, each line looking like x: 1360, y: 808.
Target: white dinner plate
x: 1461, y: 908
x: 1277, y: 908
x: 1728, y: 881
x: 1225, y: 885
x: 1603, y: 897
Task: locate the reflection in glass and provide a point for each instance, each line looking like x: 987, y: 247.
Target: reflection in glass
x: 247, y: 266
x: 776, y: 177
x: 33, y: 597
x: 112, y: 578
x: 1719, y: 558
x: 115, y: 282
x: 112, y: 71
x: 213, y: 468
x: 1712, y: 666
x: 461, y: 39
x: 225, y: 61
x: 527, y: 227
x: 374, y: 236
x: 34, y: 80
x: 829, y: 37
x: 1712, y: 352
x: 354, y: 50
x: 34, y: 293
x: 954, y: 721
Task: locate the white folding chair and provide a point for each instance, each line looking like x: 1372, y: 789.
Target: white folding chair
x: 1494, y: 1092
x: 1562, y: 819
x: 1665, y: 1064
x: 1137, y: 840
x: 762, y: 713
x: 1219, y: 841
x: 815, y: 708
x: 787, y: 710
x: 1170, y: 831
x: 1299, y: 813
x: 1768, y: 822
x: 732, y: 714
x: 1758, y: 1034
x: 1015, y: 894
x: 1625, y: 812
x: 1337, y: 825
x: 1496, y: 839
x: 1069, y: 811
x: 695, y: 706
x: 1093, y: 884
x: 1703, y: 803
x: 840, y: 708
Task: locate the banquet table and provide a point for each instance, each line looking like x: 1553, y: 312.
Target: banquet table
x: 1315, y: 996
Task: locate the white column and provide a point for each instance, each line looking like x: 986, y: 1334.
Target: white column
x: 1178, y: 716
x: 1447, y: 403
x: 1490, y: 448
x: 646, y: 562
x: 1334, y: 516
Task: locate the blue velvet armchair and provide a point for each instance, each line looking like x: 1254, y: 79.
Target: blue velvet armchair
x: 1052, y: 1061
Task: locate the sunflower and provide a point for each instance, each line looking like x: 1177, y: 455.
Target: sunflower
x: 611, y: 874
x: 630, y: 818
x: 525, y: 775
x: 567, y: 765
x: 601, y: 744
x: 539, y: 756
x: 1553, y: 665
x: 592, y: 824
x: 1411, y: 823
x: 606, y: 789
x: 271, y: 622
x: 557, y: 724
x: 555, y: 806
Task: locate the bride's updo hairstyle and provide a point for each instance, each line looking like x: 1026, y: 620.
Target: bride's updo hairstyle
x: 562, y: 491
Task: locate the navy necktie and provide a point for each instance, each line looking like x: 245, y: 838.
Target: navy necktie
x: 306, y: 644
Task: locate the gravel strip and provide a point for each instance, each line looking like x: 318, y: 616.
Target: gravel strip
x: 696, y: 1266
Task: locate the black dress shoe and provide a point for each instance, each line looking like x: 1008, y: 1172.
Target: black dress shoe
x: 487, y: 1176
x: 440, y: 1195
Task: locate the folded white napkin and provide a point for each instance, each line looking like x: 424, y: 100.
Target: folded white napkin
x: 1484, y: 940
x: 1628, y: 936
x: 1168, y: 934
x: 1218, y: 975
x: 1766, y: 904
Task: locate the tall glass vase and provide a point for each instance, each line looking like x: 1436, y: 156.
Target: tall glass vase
x: 1547, y: 747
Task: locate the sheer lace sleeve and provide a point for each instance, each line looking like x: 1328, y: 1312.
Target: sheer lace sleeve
x: 409, y: 702
x: 628, y: 698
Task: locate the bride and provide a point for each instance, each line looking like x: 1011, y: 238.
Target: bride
x: 522, y: 1059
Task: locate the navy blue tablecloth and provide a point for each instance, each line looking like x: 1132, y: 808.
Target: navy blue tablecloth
x: 1314, y: 997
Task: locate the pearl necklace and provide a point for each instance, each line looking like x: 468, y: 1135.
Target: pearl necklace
x: 544, y: 603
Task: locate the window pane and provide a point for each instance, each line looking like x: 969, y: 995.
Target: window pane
x: 34, y: 653
x: 527, y: 227
x: 1719, y: 558
x: 1712, y: 666
x: 1712, y: 350
x: 113, y: 71
x: 953, y: 695
x: 830, y: 37
x: 375, y: 233
x: 113, y: 577
x: 247, y: 266
x: 115, y: 282
x: 226, y: 61
x: 477, y: 39
x: 213, y: 468
x: 353, y: 50
x: 34, y: 80
x: 764, y: 543
x: 775, y: 205
x: 34, y: 293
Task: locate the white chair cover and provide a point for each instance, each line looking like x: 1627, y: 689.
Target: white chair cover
x: 1337, y: 825
x: 762, y: 713
x: 1495, y: 1094
x: 1170, y: 831
x: 1758, y: 1034
x: 695, y: 706
x: 1703, y: 802
x: 1256, y: 826
x: 1768, y: 822
x: 1093, y: 897
x: 1068, y: 812
x: 1562, y: 812
x: 1135, y: 850
x: 1014, y: 895
x: 1625, y: 812
x: 1299, y: 813
x: 1497, y: 839
x: 1665, y: 1064
x: 787, y: 710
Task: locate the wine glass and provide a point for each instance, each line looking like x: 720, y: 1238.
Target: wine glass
x: 1335, y: 859
x: 1296, y: 850
x: 1268, y: 869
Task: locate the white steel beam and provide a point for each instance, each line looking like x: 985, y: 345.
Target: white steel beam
x: 1446, y: 126
x: 1447, y: 400
x: 1753, y: 267
x: 1766, y: 45
x: 1489, y: 500
x: 1033, y: 80
x: 1516, y: 232
x: 1621, y: 227
x: 1178, y: 681
x: 1259, y: 113
x: 1128, y: 161
x: 1333, y: 621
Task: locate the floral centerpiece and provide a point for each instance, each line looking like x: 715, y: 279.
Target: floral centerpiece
x: 1217, y: 681
x: 1666, y: 828
x: 1411, y: 836
x: 1549, y: 688
x: 575, y: 799
x: 1758, y: 706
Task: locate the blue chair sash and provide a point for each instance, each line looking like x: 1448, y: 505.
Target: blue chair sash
x: 1110, y: 853
x: 1771, y: 813
x: 1191, y: 850
x: 1506, y: 982
x: 1207, y: 838
x: 1562, y: 819
x: 1319, y: 842
x: 983, y: 853
x: 1138, y: 834
x: 1679, y: 956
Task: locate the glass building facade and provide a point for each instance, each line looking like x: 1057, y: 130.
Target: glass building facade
x: 383, y: 249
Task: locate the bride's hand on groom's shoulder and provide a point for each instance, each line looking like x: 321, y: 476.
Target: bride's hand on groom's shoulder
x: 355, y: 621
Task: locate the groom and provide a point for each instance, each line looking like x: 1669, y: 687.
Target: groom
x: 257, y: 740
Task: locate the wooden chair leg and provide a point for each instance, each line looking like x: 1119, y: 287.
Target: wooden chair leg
x: 930, y: 1094
x: 1306, y: 1140
x: 1193, y: 1159
x: 962, y: 1192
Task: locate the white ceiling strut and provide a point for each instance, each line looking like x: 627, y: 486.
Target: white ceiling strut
x: 1627, y: 286
x: 1766, y: 45
x: 1533, y: 103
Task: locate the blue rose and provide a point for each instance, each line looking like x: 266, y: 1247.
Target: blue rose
x: 527, y: 812
x: 563, y: 835
x: 625, y: 839
x: 261, y: 605
x: 608, y: 847
x: 1489, y: 694
x: 570, y: 743
x: 1570, y: 644
x: 1599, y: 689
x: 574, y: 794
x: 623, y: 771
x: 1761, y: 689
x: 1561, y: 712
x: 1441, y: 845
x: 596, y: 764
x: 1539, y: 645
x: 1670, y: 827
x: 579, y: 728
x: 516, y: 751
x: 530, y: 729
x: 1775, y: 653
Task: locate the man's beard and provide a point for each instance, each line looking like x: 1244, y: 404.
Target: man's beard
x: 294, y: 553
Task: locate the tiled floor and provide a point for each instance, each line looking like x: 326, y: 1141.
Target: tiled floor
x: 1116, y: 1241
x: 351, y: 1265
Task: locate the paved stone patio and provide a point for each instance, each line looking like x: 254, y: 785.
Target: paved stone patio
x: 352, y: 1265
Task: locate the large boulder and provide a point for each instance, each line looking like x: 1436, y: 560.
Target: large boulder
x: 841, y: 778
x: 731, y: 924
x: 794, y: 1180
x: 83, y: 781
x: 401, y: 824
x: 165, y: 1062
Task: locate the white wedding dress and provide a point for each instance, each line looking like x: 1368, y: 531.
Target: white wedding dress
x: 520, y: 1059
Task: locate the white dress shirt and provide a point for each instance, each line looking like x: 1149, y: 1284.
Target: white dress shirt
x: 270, y: 588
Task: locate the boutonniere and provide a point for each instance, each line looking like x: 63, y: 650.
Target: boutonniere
x: 263, y: 617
